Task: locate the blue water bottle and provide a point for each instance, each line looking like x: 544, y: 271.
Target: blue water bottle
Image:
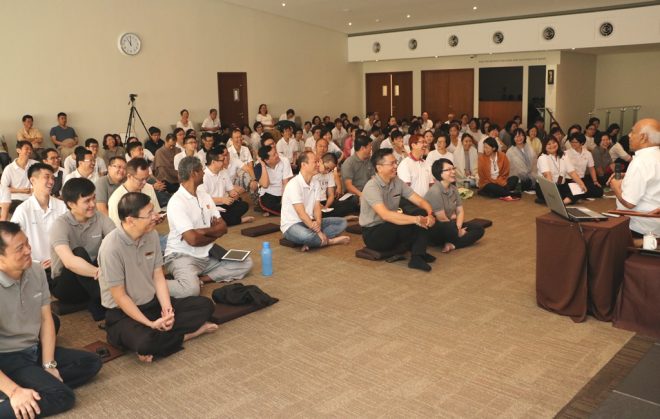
x: 266, y: 260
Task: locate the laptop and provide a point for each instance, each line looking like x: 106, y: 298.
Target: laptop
x: 556, y: 204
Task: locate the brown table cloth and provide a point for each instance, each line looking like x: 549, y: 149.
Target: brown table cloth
x: 564, y: 283
x: 638, y: 305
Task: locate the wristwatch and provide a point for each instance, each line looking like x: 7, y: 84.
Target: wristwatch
x: 50, y: 365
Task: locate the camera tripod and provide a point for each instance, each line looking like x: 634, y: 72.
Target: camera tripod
x: 131, y: 118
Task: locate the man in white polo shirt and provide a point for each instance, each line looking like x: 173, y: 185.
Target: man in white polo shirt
x: 274, y: 173
x: 415, y: 173
x: 15, y: 177
x: 288, y: 147
x: 38, y: 213
x: 301, y: 220
x: 137, y: 175
x: 195, y: 224
x: 244, y: 177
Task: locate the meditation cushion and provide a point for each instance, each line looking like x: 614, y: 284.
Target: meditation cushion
x: 260, y: 230
x: 286, y: 243
x: 354, y: 228
x: 370, y: 254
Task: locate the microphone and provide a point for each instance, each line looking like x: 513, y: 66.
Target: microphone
x: 617, y: 171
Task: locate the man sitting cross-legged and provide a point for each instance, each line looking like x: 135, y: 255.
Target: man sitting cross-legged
x: 74, y: 240
x: 141, y: 316
x: 273, y: 173
x: 301, y: 220
x: 195, y: 224
x: 383, y: 226
x: 217, y: 183
x: 36, y: 376
x: 137, y: 175
x: 38, y: 213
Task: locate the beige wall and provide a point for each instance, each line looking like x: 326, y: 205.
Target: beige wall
x: 629, y: 79
x: 575, y: 91
x: 62, y: 56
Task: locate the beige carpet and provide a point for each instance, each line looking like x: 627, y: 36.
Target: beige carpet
x: 354, y: 338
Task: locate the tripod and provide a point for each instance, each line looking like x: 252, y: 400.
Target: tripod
x: 131, y: 118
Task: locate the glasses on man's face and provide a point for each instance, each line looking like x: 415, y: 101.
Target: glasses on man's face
x: 89, y: 161
x: 118, y: 167
x: 219, y: 160
x: 149, y: 215
x: 393, y: 163
x: 140, y: 180
x: 54, y: 158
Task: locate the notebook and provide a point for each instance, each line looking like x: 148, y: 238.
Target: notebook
x: 556, y: 204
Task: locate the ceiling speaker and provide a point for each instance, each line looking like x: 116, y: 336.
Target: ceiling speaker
x: 606, y: 29
x: 376, y: 47
x: 549, y: 33
x: 412, y: 44
x: 453, y: 41
x: 498, y: 37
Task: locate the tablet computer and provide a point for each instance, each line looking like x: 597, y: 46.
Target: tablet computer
x: 236, y: 255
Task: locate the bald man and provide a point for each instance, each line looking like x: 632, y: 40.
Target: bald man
x: 639, y: 190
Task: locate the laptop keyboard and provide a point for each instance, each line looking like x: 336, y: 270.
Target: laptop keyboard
x: 576, y: 213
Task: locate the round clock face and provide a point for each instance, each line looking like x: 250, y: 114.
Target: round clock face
x: 130, y: 44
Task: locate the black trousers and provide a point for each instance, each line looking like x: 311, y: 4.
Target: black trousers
x: 71, y: 288
x: 24, y: 367
x: 271, y: 203
x: 447, y: 232
x: 233, y: 213
x: 190, y: 314
x: 593, y: 191
x: 341, y: 208
x: 171, y: 187
x: 564, y: 191
x: 494, y: 190
x: 388, y: 236
x: 411, y: 209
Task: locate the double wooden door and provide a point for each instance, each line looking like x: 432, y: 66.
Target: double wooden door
x: 448, y: 91
x: 389, y: 94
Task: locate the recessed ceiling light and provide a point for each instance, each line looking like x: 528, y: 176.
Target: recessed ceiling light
x: 283, y: 4
x: 572, y: 48
x: 436, y: 56
x: 474, y: 7
x: 345, y: 10
x: 377, y: 20
x: 377, y: 60
x: 407, y: 16
x: 350, y: 23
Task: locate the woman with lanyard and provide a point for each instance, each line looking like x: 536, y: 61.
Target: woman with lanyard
x: 522, y: 160
x: 494, y: 180
x: 555, y: 166
x: 583, y: 162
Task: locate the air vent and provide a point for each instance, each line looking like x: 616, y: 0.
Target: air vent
x: 606, y: 29
x: 549, y: 33
x: 498, y: 37
x: 412, y: 44
x: 453, y: 41
x: 376, y: 47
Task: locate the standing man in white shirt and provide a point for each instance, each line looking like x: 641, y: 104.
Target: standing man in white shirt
x: 15, y: 176
x: 273, y: 177
x: 640, y: 188
x: 195, y: 224
x: 37, y: 214
x: 302, y: 221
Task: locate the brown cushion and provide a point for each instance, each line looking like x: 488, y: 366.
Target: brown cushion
x: 354, y: 228
x: 226, y: 312
x: 370, y: 254
x: 260, y: 230
x: 287, y: 243
x: 98, y: 346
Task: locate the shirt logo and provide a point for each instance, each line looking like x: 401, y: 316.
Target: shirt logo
x: 37, y: 295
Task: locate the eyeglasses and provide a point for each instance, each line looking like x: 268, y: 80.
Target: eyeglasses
x: 89, y: 161
x: 390, y: 164
x: 118, y: 167
x: 220, y: 160
x: 140, y: 180
x: 149, y: 215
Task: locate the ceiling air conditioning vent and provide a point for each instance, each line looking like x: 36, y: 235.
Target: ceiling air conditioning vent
x: 453, y: 41
x: 498, y: 37
x: 412, y: 44
x: 606, y: 29
x: 376, y: 47
x: 549, y: 33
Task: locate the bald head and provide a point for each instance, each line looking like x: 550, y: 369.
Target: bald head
x: 645, y: 133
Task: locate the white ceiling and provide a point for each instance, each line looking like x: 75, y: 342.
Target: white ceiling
x: 387, y: 15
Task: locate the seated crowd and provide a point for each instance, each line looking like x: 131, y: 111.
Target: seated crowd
x: 83, y: 229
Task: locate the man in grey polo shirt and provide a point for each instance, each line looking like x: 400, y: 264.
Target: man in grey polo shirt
x: 141, y: 313
x: 35, y: 376
x: 108, y: 184
x: 357, y: 170
x: 74, y: 240
x: 384, y: 226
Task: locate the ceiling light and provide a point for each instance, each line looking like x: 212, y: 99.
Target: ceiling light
x: 474, y: 7
x: 350, y: 23
x: 283, y: 4
x: 436, y: 56
x: 345, y: 10
x: 572, y: 48
x: 377, y: 20
x: 407, y: 16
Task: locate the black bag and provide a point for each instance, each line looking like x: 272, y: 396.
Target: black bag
x: 239, y: 294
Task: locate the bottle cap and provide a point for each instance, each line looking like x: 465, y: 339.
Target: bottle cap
x: 266, y: 244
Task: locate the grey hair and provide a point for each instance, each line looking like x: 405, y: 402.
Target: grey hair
x: 187, y: 165
x: 652, y: 133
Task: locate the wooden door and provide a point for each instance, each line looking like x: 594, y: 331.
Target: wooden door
x: 447, y: 91
x: 402, y: 95
x: 378, y: 94
x: 232, y: 98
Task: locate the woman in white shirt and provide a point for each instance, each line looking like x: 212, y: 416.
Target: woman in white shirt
x: 522, y: 160
x: 533, y: 140
x: 264, y: 117
x: 185, y: 123
x: 583, y: 162
x: 440, y: 151
x: 554, y: 165
x: 454, y: 138
x: 466, y: 162
x: 589, y: 135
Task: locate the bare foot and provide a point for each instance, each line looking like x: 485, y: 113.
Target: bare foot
x: 266, y: 214
x: 448, y: 248
x: 145, y: 358
x: 567, y: 200
x: 247, y: 219
x: 304, y: 248
x: 207, y: 327
x: 205, y: 279
x: 339, y: 240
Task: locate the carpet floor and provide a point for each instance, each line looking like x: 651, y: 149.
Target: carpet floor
x: 355, y: 338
